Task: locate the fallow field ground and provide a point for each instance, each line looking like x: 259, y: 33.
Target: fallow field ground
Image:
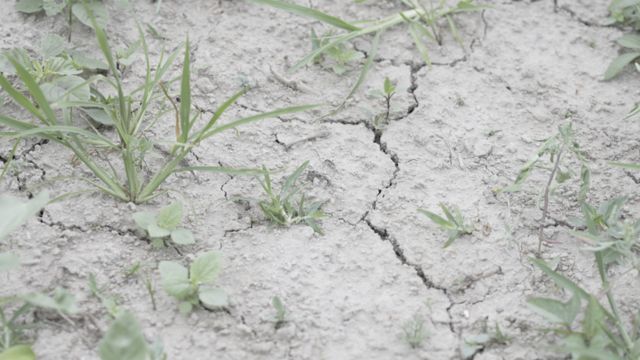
x: 458, y: 130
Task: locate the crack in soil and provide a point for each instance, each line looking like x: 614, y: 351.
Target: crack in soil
x: 383, y: 233
x: 77, y: 228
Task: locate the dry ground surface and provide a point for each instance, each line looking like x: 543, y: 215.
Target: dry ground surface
x: 459, y: 129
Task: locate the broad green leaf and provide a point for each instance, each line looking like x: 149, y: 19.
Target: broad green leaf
x: 205, y: 268
x: 14, y: 212
x: 213, y: 298
x: 631, y: 41
x: 98, y: 115
x: 18, y: 352
x: 182, y: 237
x: 143, y: 219
x: 29, y: 6
x: 170, y: 216
x: 61, y: 300
x: 8, y: 261
x: 52, y: 45
x: 556, y: 311
x: 71, y: 88
x: 124, y: 340
x: 156, y: 231
x: 84, y: 61
x: 619, y: 63
x: 53, y: 7
x: 593, y: 319
x: 308, y: 12
x: 175, y: 279
x: 185, y: 307
x: 98, y: 10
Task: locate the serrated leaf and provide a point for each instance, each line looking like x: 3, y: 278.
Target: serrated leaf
x: 170, y: 216
x: 124, y: 340
x: 205, y: 268
x: 213, y: 298
x: 182, y: 237
x: 175, y: 279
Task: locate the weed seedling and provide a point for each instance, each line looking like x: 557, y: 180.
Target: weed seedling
x: 125, y: 340
x: 454, y: 223
x: 281, y: 209
x: 476, y: 343
x: 631, y: 43
x: 423, y: 23
x: 128, y: 112
x: 555, y: 147
x: 164, y: 225
x: 414, y: 332
x: 388, y: 90
x: 74, y: 9
x: 339, y: 55
x: 281, y: 312
x: 193, y: 286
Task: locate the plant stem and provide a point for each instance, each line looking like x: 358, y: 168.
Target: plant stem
x: 545, y: 208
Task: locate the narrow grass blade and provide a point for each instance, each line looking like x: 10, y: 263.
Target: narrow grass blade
x: 19, y: 98
x: 35, y: 91
x: 628, y: 166
x: 257, y: 117
x: 185, y: 96
x: 221, y: 169
x: 292, y: 179
x: 314, y: 14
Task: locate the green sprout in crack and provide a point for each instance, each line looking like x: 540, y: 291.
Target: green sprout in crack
x: 164, y: 226
x: 282, y: 209
x: 454, y: 223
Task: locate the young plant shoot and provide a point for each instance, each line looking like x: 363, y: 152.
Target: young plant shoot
x: 454, y: 223
x: 281, y: 208
x: 164, y: 225
x: 194, y: 286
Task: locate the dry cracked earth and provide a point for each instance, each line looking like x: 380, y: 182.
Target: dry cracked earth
x: 458, y: 130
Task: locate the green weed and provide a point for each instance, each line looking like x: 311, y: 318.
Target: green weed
x: 454, y: 223
x: 555, y: 147
x: 164, y: 226
x: 423, y: 23
x: 475, y: 343
x: 193, y: 286
x: 128, y: 113
x: 81, y: 10
x: 414, y: 331
x: 125, y: 340
x: 625, y: 13
x: 281, y: 209
x: 281, y: 312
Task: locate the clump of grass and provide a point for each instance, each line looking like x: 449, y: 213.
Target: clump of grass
x: 193, y: 286
x: 281, y: 208
x: 164, y: 226
x: 414, y: 331
x: 454, y: 224
x: 423, y: 23
x: 128, y: 111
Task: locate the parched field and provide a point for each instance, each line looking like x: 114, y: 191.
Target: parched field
x: 377, y: 283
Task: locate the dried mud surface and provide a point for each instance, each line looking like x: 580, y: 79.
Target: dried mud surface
x: 458, y: 130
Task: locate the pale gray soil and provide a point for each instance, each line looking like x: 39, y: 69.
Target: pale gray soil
x: 459, y: 129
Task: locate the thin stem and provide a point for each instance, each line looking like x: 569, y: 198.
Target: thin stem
x: 545, y: 208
